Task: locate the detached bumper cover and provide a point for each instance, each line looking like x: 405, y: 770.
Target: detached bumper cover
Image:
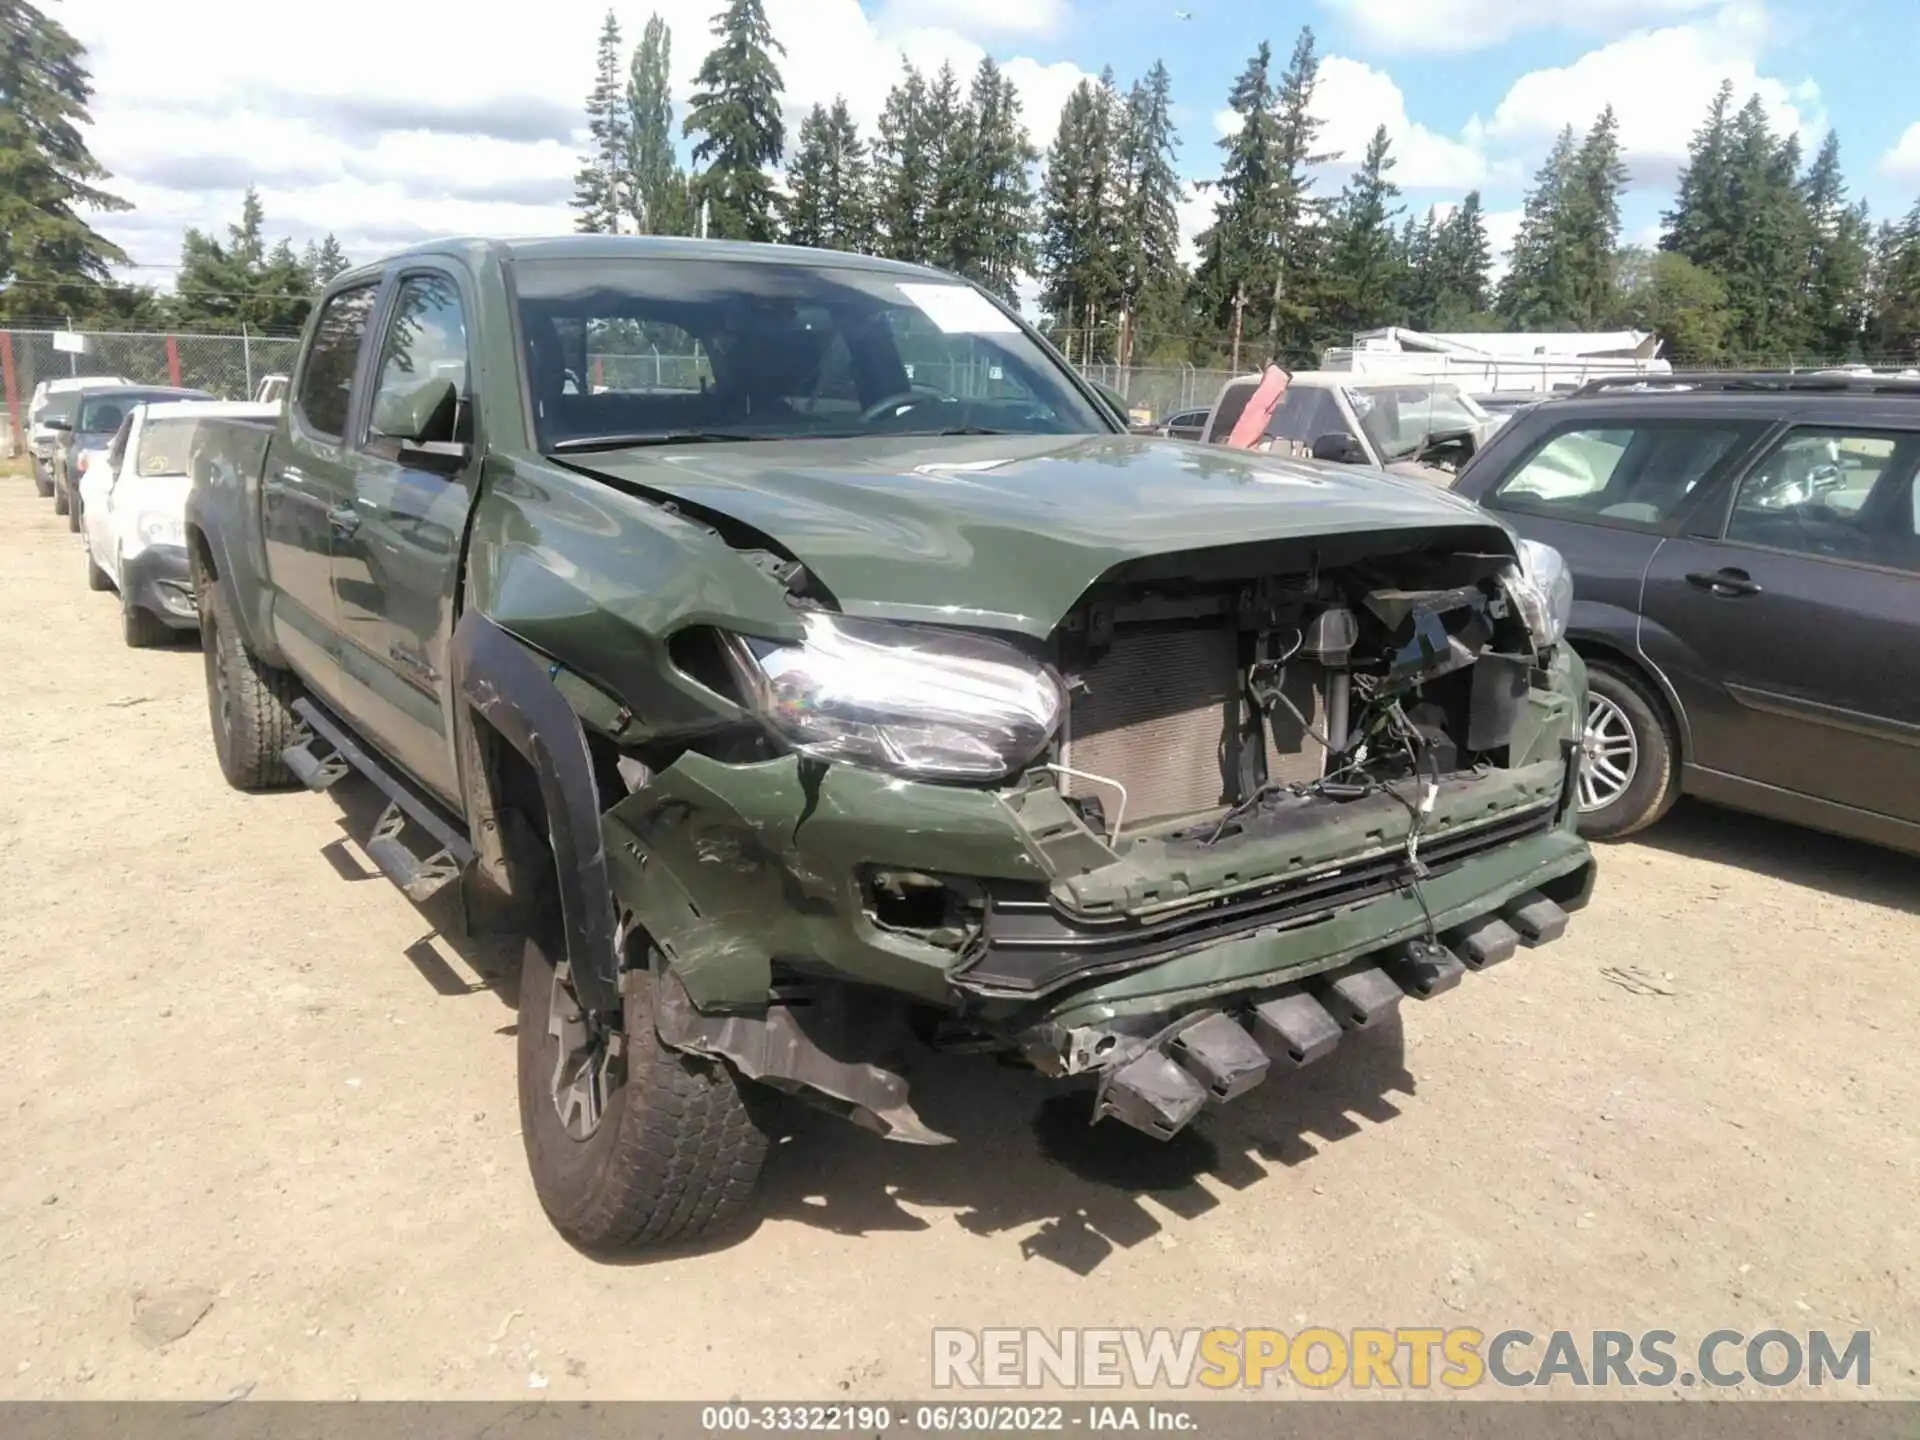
x: 160, y: 580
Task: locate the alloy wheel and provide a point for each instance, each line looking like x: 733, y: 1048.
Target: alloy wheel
x: 1609, y: 755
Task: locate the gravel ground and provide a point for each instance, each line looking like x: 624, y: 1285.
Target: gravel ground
x: 260, y: 1131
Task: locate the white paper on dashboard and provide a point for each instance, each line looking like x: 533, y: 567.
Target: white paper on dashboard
x: 959, y: 310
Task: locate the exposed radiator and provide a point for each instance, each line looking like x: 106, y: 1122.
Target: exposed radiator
x: 1158, y: 713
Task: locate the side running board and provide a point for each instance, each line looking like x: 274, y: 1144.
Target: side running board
x: 326, y: 755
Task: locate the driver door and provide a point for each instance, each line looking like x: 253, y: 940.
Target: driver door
x: 1789, y: 634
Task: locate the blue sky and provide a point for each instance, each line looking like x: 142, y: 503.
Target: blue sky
x: 485, y: 138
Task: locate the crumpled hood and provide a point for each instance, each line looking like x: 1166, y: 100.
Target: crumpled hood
x: 1009, y: 531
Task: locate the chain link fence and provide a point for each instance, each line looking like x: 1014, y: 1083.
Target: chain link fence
x: 229, y: 366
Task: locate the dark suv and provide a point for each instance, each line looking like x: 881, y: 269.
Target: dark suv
x: 1746, y: 561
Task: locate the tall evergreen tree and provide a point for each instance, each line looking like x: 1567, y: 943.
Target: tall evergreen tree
x: 656, y: 188
x: 1894, y: 290
x: 1301, y: 215
x: 1416, y: 254
x: 51, y: 259
x: 828, y: 204
x: 1463, y: 258
x: 1761, y: 265
x: 990, y: 238
x: 1702, y: 222
x: 1532, y: 296
x: 1240, y: 250
x: 1588, y: 227
x: 1082, y: 223
x: 947, y: 134
x: 324, y: 259
x: 599, y: 186
x: 736, y: 114
x: 904, y: 160
x: 1151, y: 279
x: 1365, y: 274
x: 241, y: 282
x: 1833, y: 302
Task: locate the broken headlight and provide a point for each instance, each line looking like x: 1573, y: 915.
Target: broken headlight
x: 1541, y: 587
x: 913, y: 699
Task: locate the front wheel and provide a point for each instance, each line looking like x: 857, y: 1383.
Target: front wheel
x: 97, y: 579
x: 42, y: 480
x: 1629, y: 767
x: 630, y: 1144
x: 140, y: 627
x: 59, y: 498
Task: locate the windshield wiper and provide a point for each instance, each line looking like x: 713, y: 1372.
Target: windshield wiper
x: 579, y: 444
x: 949, y: 430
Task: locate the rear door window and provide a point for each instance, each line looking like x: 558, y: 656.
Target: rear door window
x: 1634, y: 474
x: 1233, y: 403
x: 326, y: 377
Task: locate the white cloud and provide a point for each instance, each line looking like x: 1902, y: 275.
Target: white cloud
x: 1353, y: 98
x: 1659, y: 83
x: 451, y: 130
x: 1459, y: 25
x: 980, y: 17
x: 1903, y: 160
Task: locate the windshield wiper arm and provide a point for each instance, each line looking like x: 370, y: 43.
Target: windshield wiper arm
x: 949, y: 430
x: 582, y: 443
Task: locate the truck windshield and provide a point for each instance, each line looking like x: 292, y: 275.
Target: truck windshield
x: 631, y: 352
x: 1398, y: 419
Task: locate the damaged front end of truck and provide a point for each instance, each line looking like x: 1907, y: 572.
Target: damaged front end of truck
x: 1231, y: 803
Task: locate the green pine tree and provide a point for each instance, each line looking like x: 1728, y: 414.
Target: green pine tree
x: 1588, y: 228
x: 829, y: 205
x: 1702, y: 223
x: 52, y: 261
x: 1762, y: 268
x: 1081, y: 219
x: 1293, y: 325
x: 1463, y: 260
x: 600, y: 184
x: 1533, y: 294
x: 324, y: 259
x: 1683, y: 303
x: 1366, y: 268
x: 1240, y: 250
x: 656, y: 190
x: 1894, y: 290
x: 1152, y: 279
x: 736, y: 114
x: 946, y: 129
x: 993, y: 243
x: 241, y: 281
x: 1834, y: 288
x: 903, y: 166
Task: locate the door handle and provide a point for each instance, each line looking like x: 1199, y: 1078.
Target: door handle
x: 345, y: 519
x: 1728, y: 583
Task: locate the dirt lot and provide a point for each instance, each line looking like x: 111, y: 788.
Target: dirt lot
x: 244, y: 1079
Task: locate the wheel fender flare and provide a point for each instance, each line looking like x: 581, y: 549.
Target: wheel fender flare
x: 502, y: 682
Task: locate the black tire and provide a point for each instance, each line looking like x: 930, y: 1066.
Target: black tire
x: 73, y: 512
x: 42, y: 480
x: 140, y: 627
x: 59, y: 498
x: 97, y: 579
x: 250, y: 704
x: 678, y: 1146
x: 1655, y: 782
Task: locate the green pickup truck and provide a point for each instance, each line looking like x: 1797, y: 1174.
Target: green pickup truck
x: 816, y: 673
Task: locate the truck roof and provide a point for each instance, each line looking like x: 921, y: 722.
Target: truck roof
x: 637, y: 247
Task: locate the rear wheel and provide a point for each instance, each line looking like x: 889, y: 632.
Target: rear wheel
x: 73, y: 511
x: 1629, y: 770
x: 249, y: 703
x: 140, y: 627
x: 59, y: 498
x: 630, y: 1144
x: 42, y: 479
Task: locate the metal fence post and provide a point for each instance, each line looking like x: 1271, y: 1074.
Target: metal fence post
x: 246, y: 356
x: 12, y: 384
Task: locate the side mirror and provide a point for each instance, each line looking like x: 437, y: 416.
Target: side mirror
x: 1340, y: 448
x: 422, y: 412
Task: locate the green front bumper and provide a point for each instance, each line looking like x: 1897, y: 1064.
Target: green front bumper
x: 734, y: 870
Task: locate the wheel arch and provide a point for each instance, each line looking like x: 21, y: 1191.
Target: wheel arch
x: 520, y: 742
x: 1593, y: 648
